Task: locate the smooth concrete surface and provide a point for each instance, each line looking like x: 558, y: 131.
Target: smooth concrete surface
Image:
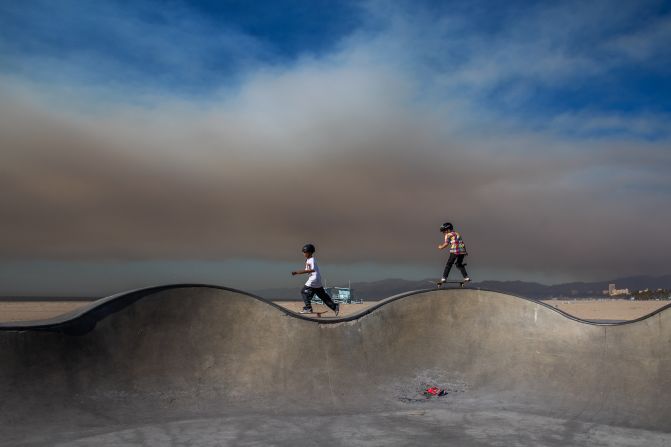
x: 200, y: 365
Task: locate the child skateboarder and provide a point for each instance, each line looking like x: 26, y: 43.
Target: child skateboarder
x: 313, y: 286
x: 457, y: 251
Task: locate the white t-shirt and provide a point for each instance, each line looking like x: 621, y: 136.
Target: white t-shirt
x: 315, y: 279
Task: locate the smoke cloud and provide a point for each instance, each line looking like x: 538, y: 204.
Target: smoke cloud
x: 356, y: 152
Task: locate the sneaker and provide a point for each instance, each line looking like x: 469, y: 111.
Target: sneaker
x: 467, y: 279
x: 306, y: 311
x: 443, y: 280
x: 337, y: 309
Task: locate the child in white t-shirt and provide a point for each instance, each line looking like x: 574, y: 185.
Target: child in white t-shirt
x: 313, y: 286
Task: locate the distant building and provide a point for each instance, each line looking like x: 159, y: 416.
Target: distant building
x: 343, y: 295
x: 612, y: 291
x: 340, y: 295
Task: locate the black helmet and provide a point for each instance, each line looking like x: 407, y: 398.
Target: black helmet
x: 446, y: 227
x: 308, y: 248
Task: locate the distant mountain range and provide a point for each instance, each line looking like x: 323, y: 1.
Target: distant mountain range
x: 389, y: 287
x: 378, y: 290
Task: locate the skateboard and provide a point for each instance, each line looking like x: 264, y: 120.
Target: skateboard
x: 318, y: 313
x: 439, y: 284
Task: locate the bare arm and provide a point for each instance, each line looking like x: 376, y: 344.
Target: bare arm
x: 301, y: 272
x: 444, y: 244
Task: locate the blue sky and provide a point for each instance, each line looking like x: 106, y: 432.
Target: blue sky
x: 182, y: 48
x: 606, y: 56
x: 541, y: 129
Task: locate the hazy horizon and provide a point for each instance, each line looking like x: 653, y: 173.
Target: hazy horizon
x: 112, y: 288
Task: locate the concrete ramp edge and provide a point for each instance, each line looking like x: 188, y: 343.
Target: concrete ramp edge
x: 85, y: 318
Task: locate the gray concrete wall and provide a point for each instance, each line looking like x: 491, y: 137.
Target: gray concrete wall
x: 175, y: 353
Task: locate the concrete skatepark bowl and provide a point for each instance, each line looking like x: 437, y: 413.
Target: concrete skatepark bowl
x: 202, y: 365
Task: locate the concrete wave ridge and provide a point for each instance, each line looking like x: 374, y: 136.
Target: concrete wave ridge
x: 189, y: 363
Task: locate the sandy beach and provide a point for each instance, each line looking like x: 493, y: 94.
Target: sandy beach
x: 584, y: 309
x: 36, y: 310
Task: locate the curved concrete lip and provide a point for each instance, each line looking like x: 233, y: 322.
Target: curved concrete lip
x: 102, y: 307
